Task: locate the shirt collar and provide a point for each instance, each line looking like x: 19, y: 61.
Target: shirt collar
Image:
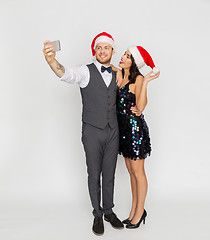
x: 98, y: 65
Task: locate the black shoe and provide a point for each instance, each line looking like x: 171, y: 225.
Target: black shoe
x: 115, y: 222
x: 130, y: 225
x: 98, y: 226
x: 126, y: 221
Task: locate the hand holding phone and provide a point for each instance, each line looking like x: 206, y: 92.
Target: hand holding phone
x: 55, y: 44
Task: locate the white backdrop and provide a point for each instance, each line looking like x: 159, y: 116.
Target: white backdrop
x: 42, y: 162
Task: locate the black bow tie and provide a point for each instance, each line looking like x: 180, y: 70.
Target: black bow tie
x: 108, y: 69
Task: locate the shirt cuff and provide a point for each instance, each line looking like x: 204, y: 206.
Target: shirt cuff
x: 66, y: 74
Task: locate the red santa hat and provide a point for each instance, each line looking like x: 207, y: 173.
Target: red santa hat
x: 141, y: 56
x: 102, y: 37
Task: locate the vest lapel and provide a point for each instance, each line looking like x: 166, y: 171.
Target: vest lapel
x: 113, y: 81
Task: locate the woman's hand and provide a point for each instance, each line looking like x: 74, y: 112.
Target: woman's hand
x: 136, y: 111
x: 150, y: 77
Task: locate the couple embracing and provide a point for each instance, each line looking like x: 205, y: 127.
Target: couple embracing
x: 112, y: 122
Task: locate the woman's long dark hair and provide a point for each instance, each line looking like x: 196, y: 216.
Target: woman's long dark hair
x: 134, y: 71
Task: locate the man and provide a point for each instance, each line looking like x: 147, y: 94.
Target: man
x: 100, y: 134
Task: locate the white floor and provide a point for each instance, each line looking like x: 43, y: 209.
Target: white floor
x: 165, y: 221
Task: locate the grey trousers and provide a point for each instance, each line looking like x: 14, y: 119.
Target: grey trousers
x: 101, y: 149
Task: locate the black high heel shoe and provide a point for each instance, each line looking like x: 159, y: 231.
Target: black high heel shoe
x: 126, y: 221
x: 130, y: 225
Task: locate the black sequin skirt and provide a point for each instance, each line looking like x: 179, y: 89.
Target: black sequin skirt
x: 134, y: 136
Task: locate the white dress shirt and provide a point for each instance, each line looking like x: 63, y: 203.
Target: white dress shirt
x: 81, y: 75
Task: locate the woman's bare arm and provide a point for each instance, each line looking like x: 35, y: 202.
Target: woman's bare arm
x: 142, y: 100
x: 119, y: 76
x: 140, y: 104
x: 115, y: 69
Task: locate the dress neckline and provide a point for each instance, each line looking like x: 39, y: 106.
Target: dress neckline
x: 124, y: 85
x: 128, y: 89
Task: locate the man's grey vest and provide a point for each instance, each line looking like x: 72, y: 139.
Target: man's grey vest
x: 99, y: 101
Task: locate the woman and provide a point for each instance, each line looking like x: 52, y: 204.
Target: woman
x: 134, y: 133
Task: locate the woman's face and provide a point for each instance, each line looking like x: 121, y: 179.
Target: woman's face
x: 125, y: 61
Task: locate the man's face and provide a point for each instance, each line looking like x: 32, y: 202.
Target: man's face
x: 104, y: 52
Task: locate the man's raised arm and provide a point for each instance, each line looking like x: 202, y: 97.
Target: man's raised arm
x: 57, y: 68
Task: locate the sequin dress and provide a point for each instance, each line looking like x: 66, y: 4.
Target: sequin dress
x: 134, y: 132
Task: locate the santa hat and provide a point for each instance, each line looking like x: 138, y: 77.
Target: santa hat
x: 141, y: 56
x: 102, y: 37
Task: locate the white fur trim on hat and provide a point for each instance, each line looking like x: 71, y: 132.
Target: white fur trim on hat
x: 156, y: 70
x: 137, y: 56
x: 105, y: 39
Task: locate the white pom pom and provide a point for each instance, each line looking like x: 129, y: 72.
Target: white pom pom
x: 156, y: 70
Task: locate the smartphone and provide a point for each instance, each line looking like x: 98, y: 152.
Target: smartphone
x: 56, y: 45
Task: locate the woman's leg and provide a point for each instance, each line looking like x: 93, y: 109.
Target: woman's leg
x: 133, y: 188
x: 137, y: 168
